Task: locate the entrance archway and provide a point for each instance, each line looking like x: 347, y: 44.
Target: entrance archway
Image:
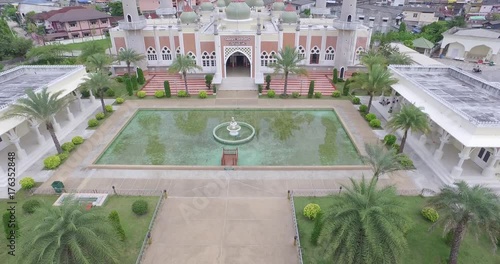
x: 238, y: 65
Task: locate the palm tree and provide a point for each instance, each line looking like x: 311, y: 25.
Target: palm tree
x: 184, y: 64
x: 90, y: 48
x: 287, y: 62
x: 377, y: 80
x: 49, y: 53
x: 381, y: 160
x: 68, y: 234
x: 371, y: 58
x: 130, y: 56
x: 409, y: 117
x: 99, y: 82
x: 366, y: 226
x: 40, y: 106
x: 399, y: 58
x: 98, y: 62
x: 463, y: 208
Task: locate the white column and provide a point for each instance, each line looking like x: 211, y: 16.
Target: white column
x: 34, y: 125
x: 489, y: 171
x: 79, y: 98
x: 92, y: 97
x: 157, y: 47
x: 280, y: 40
x: 181, y: 41
x: 259, y: 77
x: 308, y: 44
x: 198, y: 47
x: 14, y: 139
x: 56, y: 125
x: 464, y: 155
x: 323, y: 46
x: 445, y: 138
x: 173, y: 48
x: 71, y: 117
x: 297, y: 37
x: 219, y: 59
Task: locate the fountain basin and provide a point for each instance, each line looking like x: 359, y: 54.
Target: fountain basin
x: 244, y: 134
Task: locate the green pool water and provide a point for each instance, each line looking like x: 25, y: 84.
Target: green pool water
x: 184, y: 137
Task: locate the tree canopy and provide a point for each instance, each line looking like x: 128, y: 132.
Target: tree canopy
x: 116, y: 8
x: 12, y: 45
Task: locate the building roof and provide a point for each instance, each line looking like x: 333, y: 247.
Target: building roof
x: 301, y: 2
x: 422, y: 43
x: 480, y: 33
x: 490, y: 2
x: 420, y: 9
x: 78, y: 15
x: 416, y: 57
x: 393, y: 10
x: 47, y: 15
x: 495, y: 22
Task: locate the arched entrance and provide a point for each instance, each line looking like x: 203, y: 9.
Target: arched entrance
x: 238, y: 65
x: 480, y: 53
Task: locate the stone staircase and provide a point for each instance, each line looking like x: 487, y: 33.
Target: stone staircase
x: 155, y: 82
x: 237, y: 84
x: 300, y: 84
x: 231, y: 97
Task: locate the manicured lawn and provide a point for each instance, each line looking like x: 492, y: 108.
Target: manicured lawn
x: 105, y: 43
x: 424, y: 246
x: 135, y: 226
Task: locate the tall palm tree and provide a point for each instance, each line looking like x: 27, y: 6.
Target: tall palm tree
x: 463, y: 208
x: 99, y: 82
x: 49, y: 53
x: 373, y: 57
x: 98, y: 62
x: 409, y: 117
x: 377, y: 80
x: 366, y: 226
x: 130, y: 56
x: 381, y: 160
x: 69, y: 234
x: 287, y: 62
x: 40, y: 106
x: 184, y: 64
x: 90, y: 48
x: 399, y: 58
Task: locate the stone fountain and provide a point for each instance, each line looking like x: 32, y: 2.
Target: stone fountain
x: 233, y: 128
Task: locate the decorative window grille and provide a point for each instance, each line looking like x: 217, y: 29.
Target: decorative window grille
x: 151, y: 54
x: 330, y: 53
x: 166, y: 54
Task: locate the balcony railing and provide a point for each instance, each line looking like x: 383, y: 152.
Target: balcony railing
x: 134, y: 25
x: 345, y: 25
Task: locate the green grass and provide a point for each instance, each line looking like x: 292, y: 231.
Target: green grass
x: 135, y: 226
x: 424, y: 246
x: 104, y: 43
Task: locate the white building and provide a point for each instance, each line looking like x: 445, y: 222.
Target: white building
x: 471, y: 45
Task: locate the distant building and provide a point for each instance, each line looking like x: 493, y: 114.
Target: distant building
x: 301, y: 5
x: 492, y: 25
x: 419, y: 15
x: 490, y: 6
x: 471, y: 45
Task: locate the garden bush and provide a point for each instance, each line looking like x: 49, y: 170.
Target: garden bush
x: 119, y: 79
x: 141, y: 94
x: 133, y: 80
x: 202, y: 94
x: 93, y: 123
x: 310, y: 93
x: 375, y: 123
x: 140, y: 207
x: 140, y: 76
x: 271, y: 93
x: 345, y: 90
x: 7, y: 228
x: 335, y: 75
x: 77, y: 140
x: 166, y: 87
x: 85, y: 93
x: 63, y: 156
x: 355, y: 100
x: 30, y: 206
x: 120, y: 100
x: 318, y: 225
x: 395, y: 146
x: 182, y: 93
x: 405, y: 161
x: 68, y: 146
x: 318, y: 95
x: 52, y: 162
x: 100, y: 116
x: 27, y: 183
x: 128, y: 86
x: 363, y: 108
x: 214, y: 89
x: 336, y: 94
x: 312, y: 210
x: 110, y: 93
x: 268, y: 82
x: 114, y: 218
x: 109, y: 108
x: 370, y: 116
x: 259, y: 88
x: 208, y: 80
x: 430, y: 214
x: 295, y: 94
x: 159, y: 94
x: 389, y: 139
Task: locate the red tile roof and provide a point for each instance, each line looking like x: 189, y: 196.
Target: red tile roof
x: 78, y: 15
x: 47, y: 15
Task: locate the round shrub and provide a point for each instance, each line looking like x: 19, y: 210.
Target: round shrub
x: 295, y: 94
x: 77, y: 140
x: 63, y: 156
x: 363, y: 108
x: 312, y: 210
x: 30, y: 206
x: 140, y: 207
x: 430, y: 214
x: 27, y: 183
x: 141, y: 94
x: 405, y: 161
x: 336, y: 94
x: 375, y: 123
x: 120, y: 100
x: 355, y: 100
x: 110, y: 93
x: 202, y: 94
x: 52, y: 162
x: 182, y: 94
x: 159, y: 94
x: 318, y: 95
x: 68, y: 146
x: 271, y: 93
x: 93, y: 123
x: 370, y: 116
x: 395, y: 146
x: 109, y: 108
x: 85, y: 93
x: 119, y: 79
x: 100, y: 116
x: 390, y: 139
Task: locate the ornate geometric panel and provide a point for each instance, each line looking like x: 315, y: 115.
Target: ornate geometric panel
x: 228, y: 51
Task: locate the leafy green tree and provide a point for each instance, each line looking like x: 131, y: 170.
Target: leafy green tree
x: 381, y: 160
x: 184, y: 64
x: 495, y: 17
x: 10, y: 12
x: 402, y: 27
x: 49, y: 53
x: 459, y: 21
x: 98, y: 62
x: 69, y: 234
x: 377, y: 80
x: 463, y: 208
x: 310, y: 93
x: 99, y: 82
x: 166, y: 87
x: 90, y: 48
x: 116, y: 8
x: 287, y: 62
x: 40, y: 106
x: 434, y: 31
x: 130, y: 56
x: 20, y: 46
x: 409, y: 117
x: 128, y: 86
x: 371, y: 58
x: 398, y: 58
x: 366, y: 226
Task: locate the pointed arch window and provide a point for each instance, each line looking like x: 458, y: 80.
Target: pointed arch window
x: 178, y: 52
x: 192, y: 56
x: 329, y: 54
x: 166, y: 54
x: 267, y: 58
x: 302, y: 52
x: 208, y: 59
x: 121, y: 49
x: 151, y: 54
x: 359, y: 52
x: 314, y: 55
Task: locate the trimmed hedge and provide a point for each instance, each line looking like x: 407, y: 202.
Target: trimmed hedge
x: 52, y: 162
x: 390, y: 139
x: 140, y: 207
x: 93, y: 123
x: 375, y: 123
x: 318, y: 95
x: 140, y: 76
x: 430, y: 214
x: 336, y: 94
x: 27, y: 183
x: 77, y: 140
x: 310, y: 93
x: 30, y: 206
x: 370, y: 116
x: 109, y: 108
x: 100, y: 116
x: 405, y: 161
x: 63, y: 156
x: 271, y: 93
x: 110, y: 93
x: 141, y: 94
x: 363, y: 108
x: 312, y: 210
x: 159, y: 94
x: 295, y: 94
x: 182, y: 93
x: 68, y: 146
x: 202, y: 94
x: 120, y: 100
x: 355, y: 100
x: 114, y: 219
